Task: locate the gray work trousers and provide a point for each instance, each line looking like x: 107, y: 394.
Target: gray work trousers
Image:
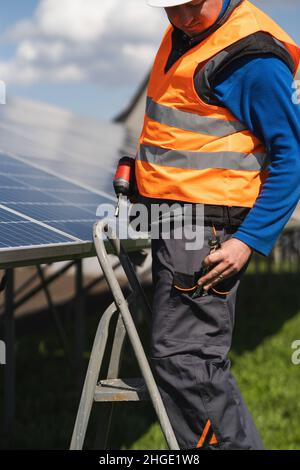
x: 190, y: 341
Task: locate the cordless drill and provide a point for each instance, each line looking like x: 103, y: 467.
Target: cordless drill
x: 124, y: 180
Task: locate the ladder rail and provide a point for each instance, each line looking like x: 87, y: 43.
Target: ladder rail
x: 93, y: 370
x: 91, y: 379
x: 98, y: 234
x: 113, y: 370
x: 130, y: 273
x: 118, y: 346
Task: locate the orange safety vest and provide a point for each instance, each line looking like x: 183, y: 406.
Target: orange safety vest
x: 197, y: 152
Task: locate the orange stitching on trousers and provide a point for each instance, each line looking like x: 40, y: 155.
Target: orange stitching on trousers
x: 213, y: 439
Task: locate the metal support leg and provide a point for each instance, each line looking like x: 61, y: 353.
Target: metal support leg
x: 37, y: 289
x: 59, y: 326
x: 9, y: 368
x: 79, y: 325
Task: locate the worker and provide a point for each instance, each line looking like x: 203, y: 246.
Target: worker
x: 221, y: 131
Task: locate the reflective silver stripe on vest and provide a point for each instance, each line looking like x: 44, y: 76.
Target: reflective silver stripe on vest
x: 191, y: 122
x: 202, y: 160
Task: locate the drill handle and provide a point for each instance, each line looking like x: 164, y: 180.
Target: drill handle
x: 124, y: 181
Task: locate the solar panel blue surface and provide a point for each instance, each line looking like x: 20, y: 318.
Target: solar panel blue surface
x: 55, y: 169
x: 40, y: 209
x: 15, y: 231
x: 62, y: 143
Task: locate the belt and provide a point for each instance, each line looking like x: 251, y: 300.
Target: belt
x: 213, y: 213
x: 226, y: 215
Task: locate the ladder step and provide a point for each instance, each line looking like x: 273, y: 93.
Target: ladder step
x: 133, y: 389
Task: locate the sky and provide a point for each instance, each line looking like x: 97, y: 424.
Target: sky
x: 89, y: 56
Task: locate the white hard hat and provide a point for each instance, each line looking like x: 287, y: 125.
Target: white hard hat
x: 166, y: 3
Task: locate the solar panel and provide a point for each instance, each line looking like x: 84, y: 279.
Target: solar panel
x: 60, y: 142
x: 40, y: 211
x: 55, y: 170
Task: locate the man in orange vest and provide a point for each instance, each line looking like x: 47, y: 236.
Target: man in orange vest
x: 220, y: 132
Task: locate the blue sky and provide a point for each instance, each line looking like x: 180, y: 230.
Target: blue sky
x: 87, y: 59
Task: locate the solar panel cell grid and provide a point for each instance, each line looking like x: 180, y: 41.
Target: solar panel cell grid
x: 50, y: 210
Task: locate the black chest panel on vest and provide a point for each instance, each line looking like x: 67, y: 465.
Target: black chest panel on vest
x: 181, y: 43
x: 258, y: 44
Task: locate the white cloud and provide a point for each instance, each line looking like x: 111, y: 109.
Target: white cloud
x: 31, y: 52
x: 75, y: 20
x: 107, y: 42
x: 101, y: 41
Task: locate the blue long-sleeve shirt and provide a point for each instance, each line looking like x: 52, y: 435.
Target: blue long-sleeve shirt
x: 258, y: 91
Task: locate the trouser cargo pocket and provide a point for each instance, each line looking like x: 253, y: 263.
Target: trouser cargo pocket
x: 202, y: 320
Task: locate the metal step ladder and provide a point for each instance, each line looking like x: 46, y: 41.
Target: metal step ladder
x: 114, y: 389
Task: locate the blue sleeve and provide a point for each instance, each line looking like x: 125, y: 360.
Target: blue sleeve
x: 258, y: 91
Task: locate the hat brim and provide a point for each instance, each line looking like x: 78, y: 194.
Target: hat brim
x: 166, y: 3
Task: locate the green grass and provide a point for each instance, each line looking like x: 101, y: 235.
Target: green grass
x: 261, y: 361
x: 270, y: 385
x: 267, y: 322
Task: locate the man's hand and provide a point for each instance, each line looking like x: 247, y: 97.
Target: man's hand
x: 226, y: 261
